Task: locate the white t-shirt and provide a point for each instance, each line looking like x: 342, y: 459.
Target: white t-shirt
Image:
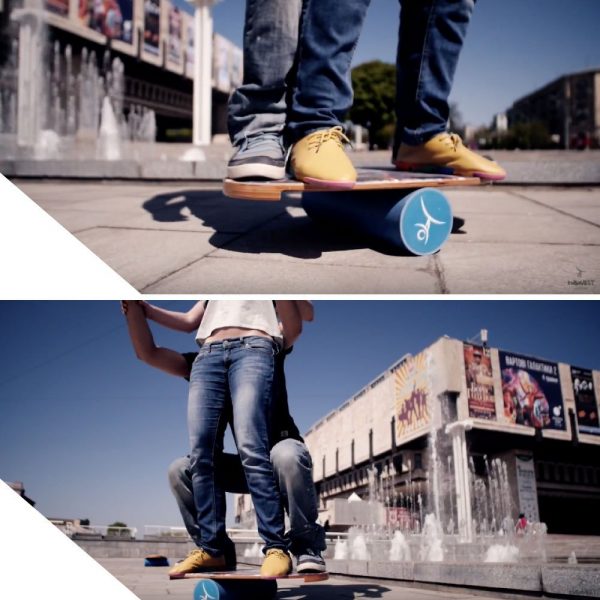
x: 248, y: 314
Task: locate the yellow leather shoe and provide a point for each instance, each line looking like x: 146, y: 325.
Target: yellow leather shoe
x: 277, y: 563
x: 198, y: 560
x: 445, y: 153
x: 320, y: 158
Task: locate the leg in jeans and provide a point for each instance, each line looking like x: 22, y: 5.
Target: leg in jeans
x: 231, y: 476
x: 328, y: 37
x: 323, y: 94
x: 207, y: 402
x: 431, y: 36
x: 270, y: 43
x: 430, y: 39
x: 293, y: 468
x: 258, y: 109
x: 251, y: 367
x: 180, y: 481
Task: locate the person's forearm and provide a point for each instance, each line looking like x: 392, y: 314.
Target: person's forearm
x: 291, y: 322
x: 179, y: 321
x: 144, y: 345
x: 306, y: 309
x: 139, y: 331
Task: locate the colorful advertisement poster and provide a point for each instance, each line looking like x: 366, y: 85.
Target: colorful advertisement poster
x: 531, y: 392
x: 152, y: 26
x: 58, y: 7
x: 586, y: 405
x: 175, y: 52
x: 480, y: 384
x: 412, y: 396
x: 113, y: 18
x: 527, y: 488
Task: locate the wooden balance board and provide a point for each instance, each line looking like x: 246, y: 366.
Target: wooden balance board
x: 405, y: 211
x: 242, y: 584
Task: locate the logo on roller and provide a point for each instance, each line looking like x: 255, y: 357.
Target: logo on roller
x: 423, y: 228
x: 206, y: 595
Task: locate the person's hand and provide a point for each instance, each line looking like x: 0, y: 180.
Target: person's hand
x: 126, y: 305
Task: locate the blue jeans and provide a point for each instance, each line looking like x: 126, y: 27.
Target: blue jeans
x: 260, y: 104
x: 430, y: 38
x: 431, y: 35
x: 323, y: 91
x: 235, y: 373
x: 292, y: 465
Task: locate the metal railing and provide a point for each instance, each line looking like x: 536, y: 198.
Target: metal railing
x: 74, y: 530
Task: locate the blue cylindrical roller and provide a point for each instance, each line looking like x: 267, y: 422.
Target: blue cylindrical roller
x: 235, y: 589
x: 417, y: 221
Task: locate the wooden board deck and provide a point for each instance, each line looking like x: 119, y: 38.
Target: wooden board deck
x: 250, y: 575
x: 368, y: 179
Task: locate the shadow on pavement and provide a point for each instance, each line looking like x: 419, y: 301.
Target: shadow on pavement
x: 256, y: 227
x: 346, y: 591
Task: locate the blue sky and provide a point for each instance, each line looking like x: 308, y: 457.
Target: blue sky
x: 90, y: 430
x: 513, y: 46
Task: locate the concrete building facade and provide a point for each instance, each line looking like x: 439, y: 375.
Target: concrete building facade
x: 173, y: 64
x: 569, y: 107
x: 472, y: 433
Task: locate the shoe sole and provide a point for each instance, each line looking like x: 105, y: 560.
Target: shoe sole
x: 311, y: 567
x: 182, y: 574
x: 255, y: 170
x: 436, y: 170
x: 334, y: 185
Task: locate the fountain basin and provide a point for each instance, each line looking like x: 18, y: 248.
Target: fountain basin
x: 576, y: 580
x: 167, y: 170
x: 503, y: 578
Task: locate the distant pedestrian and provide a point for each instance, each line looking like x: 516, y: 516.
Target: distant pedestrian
x: 521, y: 525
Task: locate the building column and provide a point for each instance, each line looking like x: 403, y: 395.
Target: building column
x: 462, y: 483
x: 203, y: 45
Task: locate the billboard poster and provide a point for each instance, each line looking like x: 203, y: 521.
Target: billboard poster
x: 531, y: 392
x: 152, y: 26
x: 58, y: 7
x: 412, y: 395
x: 527, y: 488
x: 221, y: 47
x: 113, y: 18
x: 175, y: 52
x: 189, y: 44
x: 480, y: 384
x: 586, y: 406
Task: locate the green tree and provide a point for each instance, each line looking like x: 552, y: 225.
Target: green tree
x: 528, y: 136
x: 374, y: 85
x: 117, y: 529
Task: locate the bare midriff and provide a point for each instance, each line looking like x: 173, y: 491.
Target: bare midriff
x: 225, y: 333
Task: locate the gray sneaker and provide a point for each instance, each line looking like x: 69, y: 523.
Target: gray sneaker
x: 261, y: 155
x: 310, y: 561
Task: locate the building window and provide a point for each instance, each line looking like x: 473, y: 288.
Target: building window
x: 589, y: 475
x: 418, y: 460
x: 558, y: 473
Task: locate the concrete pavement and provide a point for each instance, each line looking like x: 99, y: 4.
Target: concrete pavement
x: 152, y: 583
x: 187, y: 238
